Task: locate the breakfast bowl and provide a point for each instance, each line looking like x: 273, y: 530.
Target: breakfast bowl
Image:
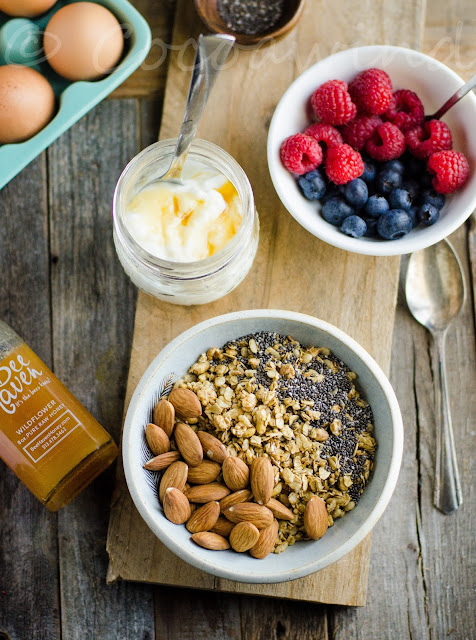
x: 304, y: 557
x: 434, y: 83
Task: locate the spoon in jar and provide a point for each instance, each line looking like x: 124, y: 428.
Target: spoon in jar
x: 456, y: 97
x: 212, y: 51
x: 435, y: 292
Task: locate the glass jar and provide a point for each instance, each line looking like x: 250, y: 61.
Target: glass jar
x: 185, y: 283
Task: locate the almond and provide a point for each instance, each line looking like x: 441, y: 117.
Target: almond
x: 244, y: 495
x: 162, y: 462
x: 236, y: 473
x: 157, y: 439
x: 176, y: 506
x: 204, y: 518
x: 212, y: 447
x: 244, y: 535
x: 260, y: 516
x: 211, y: 541
x: 164, y: 416
x: 203, y: 493
x: 223, y: 527
x: 186, y: 403
x: 315, y: 518
x: 188, y: 444
x: 204, y: 472
x: 279, y: 510
x: 262, y: 479
x: 174, y: 476
x: 266, y: 541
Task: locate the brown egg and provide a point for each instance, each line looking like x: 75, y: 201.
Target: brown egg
x: 25, y: 8
x: 27, y: 103
x: 83, y: 41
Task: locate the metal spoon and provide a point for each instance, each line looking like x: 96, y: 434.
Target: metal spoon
x: 435, y: 292
x: 456, y: 97
x: 212, y: 51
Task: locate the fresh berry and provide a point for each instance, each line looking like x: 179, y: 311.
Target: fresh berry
x: 413, y: 213
x: 371, y: 91
x: 387, y: 180
x: 427, y: 215
x: 300, y: 153
x: 424, y: 140
x: 387, y: 142
x: 354, y: 226
x: 394, y: 224
x: 376, y: 206
x: 332, y: 103
x: 332, y: 191
x: 369, y: 172
x: 412, y: 186
x: 405, y: 110
x: 451, y: 169
x: 371, y: 228
x: 394, y: 165
x: 429, y: 196
x: 356, y: 193
x: 335, y: 210
x: 313, y: 185
x: 343, y: 164
x: 413, y: 166
x: 324, y: 133
x: 400, y: 199
x: 359, y: 130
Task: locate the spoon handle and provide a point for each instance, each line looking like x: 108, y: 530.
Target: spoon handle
x: 448, y: 496
x: 462, y: 91
x: 212, y: 51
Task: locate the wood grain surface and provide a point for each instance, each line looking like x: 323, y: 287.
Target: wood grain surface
x: 421, y: 582
x: 287, y: 255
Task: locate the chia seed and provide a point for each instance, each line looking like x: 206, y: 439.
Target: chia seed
x: 250, y: 16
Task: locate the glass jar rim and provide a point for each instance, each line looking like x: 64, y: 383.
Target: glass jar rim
x: 214, y: 156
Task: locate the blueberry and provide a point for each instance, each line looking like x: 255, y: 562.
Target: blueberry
x: 356, y: 193
x: 369, y: 172
x: 394, y: 224
x: 413, y: 213
x: 429, y: 196
x: 400, y: 199
x: 335, y: 210
x: 413, y: 166
x: 371, y: 228
x: 387, y: 180
x: 428, y: 214
x: 394, y: 165
x: 376, y: 206
x: 412, y: 186
x: 312, y: 185
x: 354, y: 226
x: 426, y: 180
x: 332, y: 191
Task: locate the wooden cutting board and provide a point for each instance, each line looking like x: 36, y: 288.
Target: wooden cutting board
x: 293, y: 270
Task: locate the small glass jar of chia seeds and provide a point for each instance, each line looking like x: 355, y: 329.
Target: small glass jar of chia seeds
x: 171, y: 279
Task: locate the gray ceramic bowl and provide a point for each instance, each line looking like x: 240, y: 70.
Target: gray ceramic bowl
x: 304, y: 557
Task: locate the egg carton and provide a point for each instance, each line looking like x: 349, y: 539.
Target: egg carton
x: 21, y: 43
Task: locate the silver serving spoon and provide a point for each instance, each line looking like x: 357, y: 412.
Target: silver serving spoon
x: 212, y: 51
x: 456, y: 97
x: 435, y: 292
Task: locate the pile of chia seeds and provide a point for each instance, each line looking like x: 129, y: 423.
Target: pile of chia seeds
x: 250, y: 16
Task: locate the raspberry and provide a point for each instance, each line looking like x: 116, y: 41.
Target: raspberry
x: 387, y: 142
x: 451, y: 169
x: 371, y: 91
x: 300, y: 153
x: 405, y: 110
x: 332, y: 104
x: 325, y: 133
x: 424, y: 140
x: 343, y: 164
x: 359, y: 130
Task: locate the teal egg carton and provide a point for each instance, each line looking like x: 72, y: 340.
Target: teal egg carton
x: 21, y: 43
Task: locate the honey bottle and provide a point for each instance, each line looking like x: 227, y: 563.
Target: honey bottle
x: 47, y: 438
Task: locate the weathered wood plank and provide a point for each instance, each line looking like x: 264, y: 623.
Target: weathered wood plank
x: 92, y: 310
x: 28, y: 551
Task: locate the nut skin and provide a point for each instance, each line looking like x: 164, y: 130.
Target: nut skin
x: 188, y: 444
x: 204, y: 518
x: 203, y: 493
x: 164, y: 416
x: 236, y: 473
x: 223, y: 527
x: 186, y: 403
x: 212, y: 447
x: 280, y: 511
x: 259, y: 515
x: 315, y: 518
x: 266, y: 541
x: 176, y: 506
x: 244, y: 495
x: 243, y: 536
x: 162, y: 461
x: 204, y: 473
x: 262, y: 479
x: 211, y: 541
x: 174, y: 476
x: 157, y: 439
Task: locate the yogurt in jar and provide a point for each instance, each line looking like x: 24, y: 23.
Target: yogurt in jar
x: 188, y: 222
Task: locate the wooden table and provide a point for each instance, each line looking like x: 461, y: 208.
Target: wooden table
x: 64, y: 291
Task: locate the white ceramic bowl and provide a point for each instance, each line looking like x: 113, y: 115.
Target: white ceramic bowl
x: 304, y: 557
x: 408, y: 69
